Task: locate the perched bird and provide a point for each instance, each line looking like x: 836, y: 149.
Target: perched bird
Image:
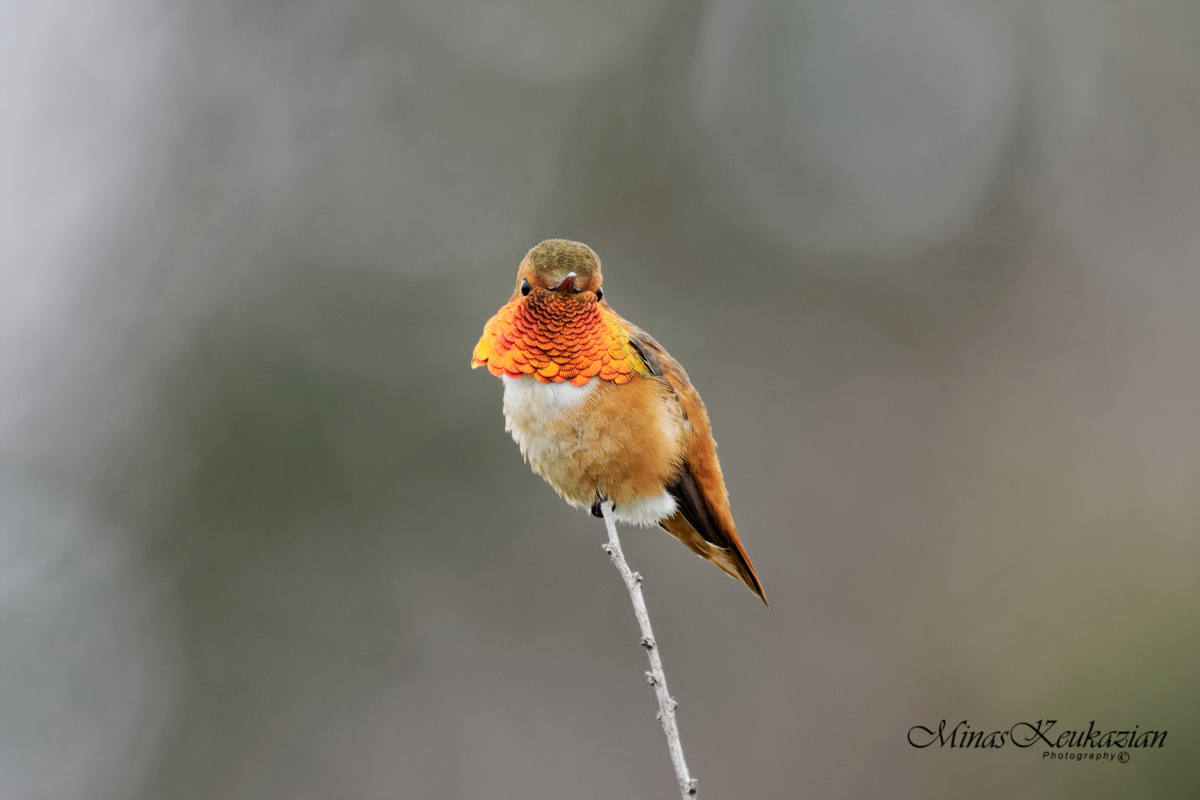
x: 603, y: 412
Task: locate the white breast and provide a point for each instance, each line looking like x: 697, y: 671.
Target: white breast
x: 533, y: 414
x: 529, y: 396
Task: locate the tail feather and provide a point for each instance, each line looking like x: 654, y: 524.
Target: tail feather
x: 732, y: 560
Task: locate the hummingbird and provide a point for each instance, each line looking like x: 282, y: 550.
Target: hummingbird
x: 603, y: 412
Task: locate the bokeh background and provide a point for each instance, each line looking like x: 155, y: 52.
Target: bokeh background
x: 932, y: 263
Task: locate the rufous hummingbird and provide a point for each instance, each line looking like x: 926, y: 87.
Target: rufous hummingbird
x: 603, y: 412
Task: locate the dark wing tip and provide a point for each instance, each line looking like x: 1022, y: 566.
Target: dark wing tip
x: 695, y: 510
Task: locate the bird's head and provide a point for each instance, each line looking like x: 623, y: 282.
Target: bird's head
x: 556, y: 327
x: 559, y: 269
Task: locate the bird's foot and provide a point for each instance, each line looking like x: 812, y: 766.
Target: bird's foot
x: 596, y: 510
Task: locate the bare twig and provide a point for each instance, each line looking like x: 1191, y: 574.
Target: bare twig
x: 656, y: 677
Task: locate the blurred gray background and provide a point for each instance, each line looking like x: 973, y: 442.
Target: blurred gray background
x: 932, y: 263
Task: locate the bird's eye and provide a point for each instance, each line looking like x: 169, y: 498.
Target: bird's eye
x: 524, y: 287
x: 599, y: 293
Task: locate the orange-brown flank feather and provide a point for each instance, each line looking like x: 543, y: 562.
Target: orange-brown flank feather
x: 705, y: 524
x: 624, y: 442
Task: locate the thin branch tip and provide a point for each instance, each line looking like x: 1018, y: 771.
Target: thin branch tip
x: 656, y: 676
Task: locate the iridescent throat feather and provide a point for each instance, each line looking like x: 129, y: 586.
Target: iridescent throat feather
x: 556, y: 339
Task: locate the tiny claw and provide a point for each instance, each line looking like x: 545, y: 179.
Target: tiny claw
x: 597, y: 511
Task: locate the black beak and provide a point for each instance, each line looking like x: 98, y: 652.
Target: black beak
x: 567, y: 285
